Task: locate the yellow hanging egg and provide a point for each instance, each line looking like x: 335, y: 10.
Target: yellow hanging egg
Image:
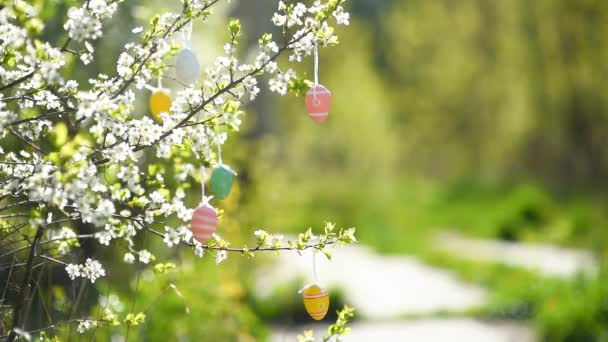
x: 316, y: 301
x: 160, y: 102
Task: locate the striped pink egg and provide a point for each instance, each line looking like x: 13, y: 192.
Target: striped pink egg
x: 318, y: 102
x: 204, y: 223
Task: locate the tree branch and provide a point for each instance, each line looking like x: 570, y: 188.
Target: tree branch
x: 25, y: 285
x: 254, y: 249
x: 17, y: 81
x: 81, y: 236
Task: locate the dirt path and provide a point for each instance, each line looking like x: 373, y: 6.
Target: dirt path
x: 546, y: 259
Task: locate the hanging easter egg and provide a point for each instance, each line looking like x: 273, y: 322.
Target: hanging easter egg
x: 316, y: 301
x: 221, y: 181
x: 318, y: 102
x: 204, y: 223
x: 187, y: 68
x: 160, y: 102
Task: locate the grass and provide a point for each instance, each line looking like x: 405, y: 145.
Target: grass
x: 569, y: 310
x: 522, y: 213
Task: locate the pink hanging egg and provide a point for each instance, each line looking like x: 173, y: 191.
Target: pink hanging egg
x: 318, y: 102
x: 204, y: 223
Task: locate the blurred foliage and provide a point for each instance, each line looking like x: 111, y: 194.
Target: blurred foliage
x: 488, y: 118
x: 569, y: 310
x: 195, y: 302
x: 207, y: 302
x: 583, y: 316
x: 501, y: 89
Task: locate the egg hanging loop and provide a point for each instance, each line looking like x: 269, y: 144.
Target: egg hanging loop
x: 318, y: 98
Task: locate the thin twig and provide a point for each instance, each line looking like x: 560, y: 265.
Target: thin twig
x: 17, y: 81
x: 254, y: 249
x: 81, y: 236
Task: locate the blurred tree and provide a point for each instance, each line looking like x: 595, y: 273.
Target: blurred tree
x: 502, y: 89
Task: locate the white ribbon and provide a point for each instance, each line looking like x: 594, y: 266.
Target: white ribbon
x: 315, y: 278
x: 187, y: 34
x: 316, y: 65
x: 219, y: 152
x: 204, y: 200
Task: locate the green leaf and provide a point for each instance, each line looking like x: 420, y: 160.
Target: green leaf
x: 161, y: 268
x: 135, y: 319
x: 234, y: 26
x: 327, y: 254
x: 266, y: 38
x: 154, y: 20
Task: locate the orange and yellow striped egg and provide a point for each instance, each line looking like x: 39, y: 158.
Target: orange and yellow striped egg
x: 318, y: 102
x: 316, y: 301
x: 160, y: 102
x: 204, y: 223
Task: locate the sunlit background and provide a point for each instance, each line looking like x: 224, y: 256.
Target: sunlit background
x: 467, y: 143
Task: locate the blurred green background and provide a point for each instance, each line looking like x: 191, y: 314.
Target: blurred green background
x: 485, y: 118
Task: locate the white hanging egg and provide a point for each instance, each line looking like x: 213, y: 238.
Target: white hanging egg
x: 187, y: 68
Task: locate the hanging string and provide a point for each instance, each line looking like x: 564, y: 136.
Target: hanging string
x: 187, y: 34
x: 159, y: 83
x: 219, y: 152
x: 219, y: 158
x: 314, y: 267
x: 316, y: 71
x: 204, y: 200
x: 316, y: 65
x: 315, y: 276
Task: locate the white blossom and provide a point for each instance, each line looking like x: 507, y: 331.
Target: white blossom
x: 199, y: 251
x: 86, y: 58
x: 123, y: 66
x: 279, y: 20
x: 128, y: 258
x: 22, y: 334
x: 250, y: 84
x: 92, y: 270
x: 82, y: 24
x: 341, y: 16
x: 157, y: 197
x: 85, y: 22
x: 73, y: 271
x: 63, y: 239
x: 84, y: 325
x: 171, y: 237
x: 104, y: 238
x: 220, y: 256
x: 185, y: 233
x: 144, y: 256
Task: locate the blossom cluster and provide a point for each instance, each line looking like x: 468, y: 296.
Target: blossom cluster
x: 91, y: 270
x: 85, y: 22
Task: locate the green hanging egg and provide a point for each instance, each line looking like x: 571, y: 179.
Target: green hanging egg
x: 221, y: 181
